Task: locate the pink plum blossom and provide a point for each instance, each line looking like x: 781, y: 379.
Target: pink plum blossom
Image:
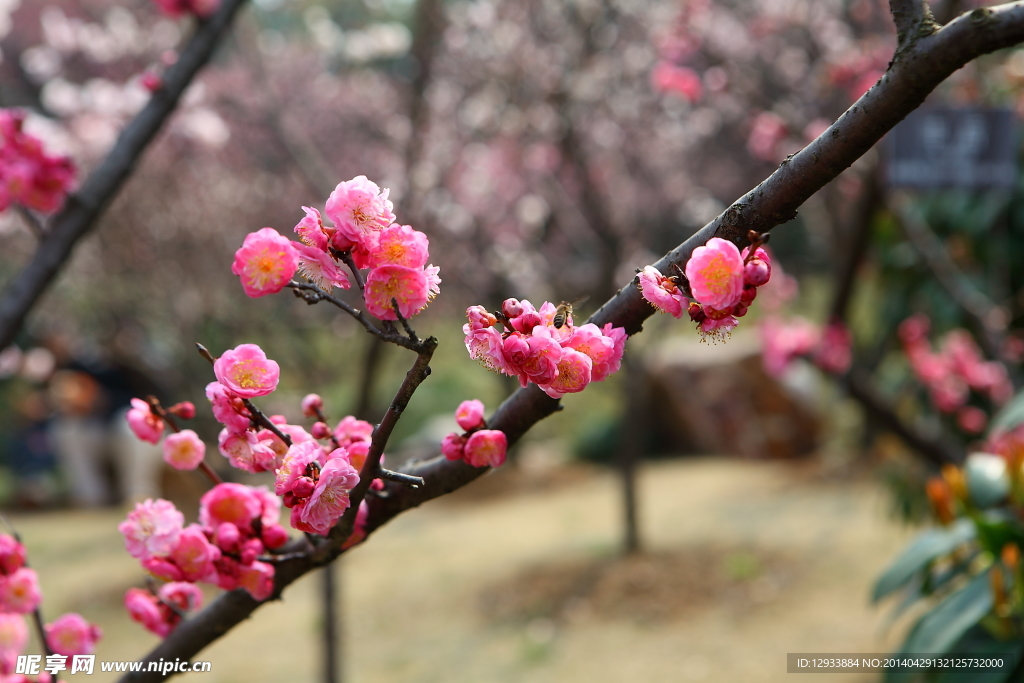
x: 185, y: 596
x: 485, y: 347
x: 835, y: 351
x: 662, y: 292
x: 258, y: 579
x: 145, y: 424
x: 28, y: 175
x: 358, y: 207
x: 351, y: 430
x: 152, y: 528
x: 321, y: 269
x: 144, y: 608
x: 12, y: 554
x: 229, y: 502
x: 13, y: 639
x: 20, y: 592
x: 486, y: 448
x: 71, y: 634
x: 784, y: 341
x: 265, y: 262
x: 246, y: 371
x: 400, y: 245
x: 453, y: 446
x: 228, y: 408
x: 296, y: 466
x: 470, y: 414
x: 716, y: 330
x: 311, y: 229
x: 406, y: 285
x: 715, y: 272
x: 574, y: 373
x: 479, y: 318
x: 330, y: 498
x: 184, y: 450
x: 194, y: 555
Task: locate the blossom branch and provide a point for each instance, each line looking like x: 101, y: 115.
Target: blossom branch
x: 82, y: 209
x: 32, y: 221
x: 405, y: 323
x: 915, y: 72
x: 346, y: 256
x: 312, y: 294
x: 913, y: 18
x: 158, y: 409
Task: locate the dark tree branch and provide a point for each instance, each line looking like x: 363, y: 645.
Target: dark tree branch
x: 82, y: 209
x: 915, y: 72
x: 913, y: 19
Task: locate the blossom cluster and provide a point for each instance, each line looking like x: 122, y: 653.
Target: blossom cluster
x: 28, y: 175
x: 70, y: 634
x: 237, y: 525
x: 183, y: 449
x: 953, y: 371
x: 722, y: 280
x: 783, y: 341
x: 560, y: 359
x: 365, y: 230
x: 179, y: 8
x: 477, y: 445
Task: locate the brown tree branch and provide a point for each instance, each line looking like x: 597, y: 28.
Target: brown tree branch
x: 82, y: 209
x: 913, y: 19
x: 921, y: 66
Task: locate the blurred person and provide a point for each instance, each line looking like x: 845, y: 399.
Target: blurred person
x: 78, y: 432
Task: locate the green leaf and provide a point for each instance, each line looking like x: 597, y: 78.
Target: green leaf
x: 930, y: 545
x: 996, y: 529
x: 938, y: 630
x: 977, y: 642
x: 1010, y: 416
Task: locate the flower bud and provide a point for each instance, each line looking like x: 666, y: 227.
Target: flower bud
x: 512, y: 308
x: 186, y: 410
x: 227, y: 537
x: 748, y: 295
x: 452, y: 446
x: 756, y: 272
x: 526, y: 322
x: 312, y: 405
x: 320, y: 430
x: 303, y: 487
x: 274, y: 535
x: 696, y: 312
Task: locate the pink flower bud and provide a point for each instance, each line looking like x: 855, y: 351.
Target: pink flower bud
x: 162, y: 568
x: 227, y: 537
x: 186, y: 410
x: 512, y: 308
x: 274, y: 536
x: 748, y: 295
x: 452, y: 446
x: 479, y: 318
x: 470, y: 414
x: 251, y: 549
x: 303, y: 487
x: 312, y: 405
x: 527, y: 321
x: 320, y: 430
x: 756, y: 272
x: 143, y: 423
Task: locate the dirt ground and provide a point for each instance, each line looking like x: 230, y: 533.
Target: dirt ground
x: 744, y: 562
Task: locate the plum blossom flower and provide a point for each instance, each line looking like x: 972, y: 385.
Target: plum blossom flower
x: 184, y: 450
x: 144, y: 608
x: 228, y: 408
x: 662, y: 292
x: 400, y: 245
x: 229, y: 502
x: 312, y: 405
x: 265, y: 263
x: 470, y: 414
x: 319, y: 268
x: 311, y: 229
x: 453, y: 446
x: 20, y: 592
x: 12, y: 554
x: 71, y: 634
x: 351, y: 430
x: 358, y: 207
x: 246, y: 371
x: 406, y: 285
x: 486, y: 448
x: 715, y: 272
x: 716, y: 330
x: 330, y: 498
x: 13, y: 639
x: 28, y: 175
x: 574, y: 374
x: 152, y: 528
x: 144, y: 423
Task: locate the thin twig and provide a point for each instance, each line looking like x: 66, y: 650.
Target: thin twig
x: 32, y: 221
x: 312, y: 294
x: 346, y: 256
x: 400, y: 477
x: 405, y: 323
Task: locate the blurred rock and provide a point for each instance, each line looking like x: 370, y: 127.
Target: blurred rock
x: 718, y: 399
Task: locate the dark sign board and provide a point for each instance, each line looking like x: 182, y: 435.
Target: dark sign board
x: 946, y: 147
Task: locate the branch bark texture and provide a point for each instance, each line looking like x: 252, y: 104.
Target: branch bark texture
x: 915, y: 71
x: 83, y: 209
